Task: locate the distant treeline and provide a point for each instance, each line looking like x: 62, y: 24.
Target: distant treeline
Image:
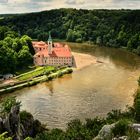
x: 113, y: 28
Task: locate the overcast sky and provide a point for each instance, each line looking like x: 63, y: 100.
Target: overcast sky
x: 24, y: 6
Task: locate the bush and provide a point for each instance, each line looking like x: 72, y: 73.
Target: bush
x: 137, y: 106
x: 95, y: 125
x: 77, y: 131
x: 3, y: 136
x: 8, y: 103
x: 139, y: 81
x: 120, y: 128
x: 60, y: 74
x: 132, y: 134
x: 25, y: 116
x: 79, y: 40
x: 28, y: 138
x: 113, y: 116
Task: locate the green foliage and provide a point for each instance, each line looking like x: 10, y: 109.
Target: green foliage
x: 13, y: 53
x: 32, y: 127
x: 76, y: 130
x: 133, y: 134
x: 8, y: 103
x: 25, y: 116
x: 37, y: 72
x: 139, y: 81
x: 133, y: 42
x: 137, y: 106
x: 42, y: 37
x: 54, y: 134
x: 24, y: 57
x: 3, y: 136
x: 116, y: 115
x: 120, y: 128
x: 113, y: 28
x: 28, y: 138
x: 94, y: 125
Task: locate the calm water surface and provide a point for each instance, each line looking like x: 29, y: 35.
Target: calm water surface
x: 92, y: 91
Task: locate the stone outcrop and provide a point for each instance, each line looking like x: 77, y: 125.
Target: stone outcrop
x: 105, y: 133
x: 11, y: 123
x: 19, y: 129
x: 120, y: 138
x: 136, y: 127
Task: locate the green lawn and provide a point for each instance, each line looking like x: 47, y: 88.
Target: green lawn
x: 25, y: 69
x: 37, y: 72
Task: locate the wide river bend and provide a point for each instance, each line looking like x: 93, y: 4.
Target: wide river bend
x: 92, y: 91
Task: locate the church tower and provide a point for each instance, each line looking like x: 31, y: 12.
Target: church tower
x: 50, y: 45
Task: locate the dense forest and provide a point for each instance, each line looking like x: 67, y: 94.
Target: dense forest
x: 113, y: 28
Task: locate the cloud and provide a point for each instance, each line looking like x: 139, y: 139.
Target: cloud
x: 24, y: 6
x: 3, y: 1
x: 39, y: 1
x: 75, y: 1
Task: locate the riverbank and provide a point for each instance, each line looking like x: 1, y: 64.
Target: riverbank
x: 117, y: 125
x: 42, y: 74
x: 31, y: 78
x: 83, y: 60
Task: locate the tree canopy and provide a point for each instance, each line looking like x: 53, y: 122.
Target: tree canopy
x: 15, y: 51
x: 113, y: 28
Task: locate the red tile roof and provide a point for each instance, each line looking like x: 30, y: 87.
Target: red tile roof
x: 40, y: 44
x: 59, y: 50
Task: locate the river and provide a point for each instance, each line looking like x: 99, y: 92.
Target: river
x: 86, y: 93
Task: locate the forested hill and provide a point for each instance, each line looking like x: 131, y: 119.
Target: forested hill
x: 114, y: 28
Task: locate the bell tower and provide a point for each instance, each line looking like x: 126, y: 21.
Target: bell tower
x: 50, y: 44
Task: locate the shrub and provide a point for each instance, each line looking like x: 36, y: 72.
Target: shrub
x: 28, y: 138
x: 132, y: 134
x: 25, y: 116
x: 79, y: 40
x: 37, y: 127
x: 8, y: 103
x: 77, y: 131
x: 139, y: 81
x: 137, y: 106
x: 95, y: 125
x: 3, y: 136
x: 120, y: 128
x: 60, y: 74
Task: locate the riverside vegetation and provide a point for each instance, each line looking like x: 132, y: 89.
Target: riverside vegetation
x: 31, y: 129
x: 40, y: 74
x: 16, y: 54
x: 112, y: 28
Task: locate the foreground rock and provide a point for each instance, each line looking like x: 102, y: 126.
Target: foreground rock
x: 19, y: 125
x: 136, y: 127
x: 105, y: 133
x: 121, y: 138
